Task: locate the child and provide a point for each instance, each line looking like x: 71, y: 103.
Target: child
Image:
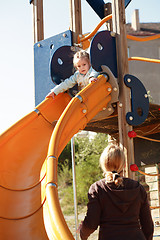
x: 84, y: 75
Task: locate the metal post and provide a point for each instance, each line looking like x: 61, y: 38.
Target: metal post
x: 74, y: 185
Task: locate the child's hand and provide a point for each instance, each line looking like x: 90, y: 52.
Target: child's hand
x: 51, y: 94
x: 93, y: 79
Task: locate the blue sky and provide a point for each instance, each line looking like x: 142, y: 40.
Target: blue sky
x: 16, y: 47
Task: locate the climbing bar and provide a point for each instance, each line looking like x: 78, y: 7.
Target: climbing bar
x: 154, y: 207
x: 144, y: 59
x: 134, y: 168
x: 149, y: 174
x: 143, y: 39
x: 149, y: 139
x: 133, y: 134
x: 105, y: 19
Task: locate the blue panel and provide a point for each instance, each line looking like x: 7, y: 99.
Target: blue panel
x: 98, y: 7
x: 43, y: 54
x: 103, y: 52
x: 139, y: 101
x: 127, y: 2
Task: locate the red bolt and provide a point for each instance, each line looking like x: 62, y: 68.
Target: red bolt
x: 132, y: 134
x: 134, y: 168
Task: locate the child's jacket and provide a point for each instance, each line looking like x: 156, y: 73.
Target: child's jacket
x: 80, y: 79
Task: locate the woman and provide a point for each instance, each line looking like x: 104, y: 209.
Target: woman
x: 118, y: 205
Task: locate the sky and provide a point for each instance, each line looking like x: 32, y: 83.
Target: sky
x: 16, y: 47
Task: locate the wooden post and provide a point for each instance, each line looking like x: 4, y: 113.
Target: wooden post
x: 75, y: 18
x: 38, y: 20
x: 108, y: 11
x: 124, y: 105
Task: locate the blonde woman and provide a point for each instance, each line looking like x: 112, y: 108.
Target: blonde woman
x: 83, y: 76
x: 118, y: 205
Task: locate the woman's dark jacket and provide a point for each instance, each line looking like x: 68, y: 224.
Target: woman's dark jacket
x: 122, y: 213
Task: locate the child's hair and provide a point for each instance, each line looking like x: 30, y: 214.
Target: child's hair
x: 112, y: 162
x: 80, y: 54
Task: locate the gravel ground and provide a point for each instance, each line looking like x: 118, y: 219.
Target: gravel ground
x: 71, y: 224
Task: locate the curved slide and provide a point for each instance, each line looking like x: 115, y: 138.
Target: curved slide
x: 29, y: 205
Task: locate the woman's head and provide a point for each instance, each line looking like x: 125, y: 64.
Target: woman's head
x: 81, y: 61
x: 112, y: 159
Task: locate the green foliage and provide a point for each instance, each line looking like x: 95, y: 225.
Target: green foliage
x: 65, y: 156
x: 87, y: 154
x: 65, y: 175
x: 87, y: 172
x: 87, y: 169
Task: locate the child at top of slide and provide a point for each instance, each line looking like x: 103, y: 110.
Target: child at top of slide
x: 84, y: 75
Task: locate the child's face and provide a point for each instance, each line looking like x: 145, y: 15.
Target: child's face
x: 83, y: 65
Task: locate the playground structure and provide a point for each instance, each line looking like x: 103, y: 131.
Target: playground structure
x: 29, y: 206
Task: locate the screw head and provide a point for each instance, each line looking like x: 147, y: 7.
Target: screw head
x: 84, y: 110
x: 115, y: 89
x: 130, y: 118
x: 113, y: 34
x: 129, y: 80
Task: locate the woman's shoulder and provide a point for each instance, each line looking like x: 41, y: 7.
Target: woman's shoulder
x: 130, y: 182
x: 133, y: 184
x: 98, y: 184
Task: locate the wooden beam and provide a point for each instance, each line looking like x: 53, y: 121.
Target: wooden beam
x: 38, y: 30
x: 75, y: 19
x: 108, y: 11
x: 124, y: 106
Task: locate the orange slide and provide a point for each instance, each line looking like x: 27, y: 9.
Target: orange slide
x: 29, y: 205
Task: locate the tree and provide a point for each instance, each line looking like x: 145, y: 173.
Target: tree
x: 87, y: 154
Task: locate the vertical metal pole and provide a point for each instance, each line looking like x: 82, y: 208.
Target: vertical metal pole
x: 74, y: 185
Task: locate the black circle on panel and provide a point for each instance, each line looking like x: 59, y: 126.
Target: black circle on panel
x: 62, y: 64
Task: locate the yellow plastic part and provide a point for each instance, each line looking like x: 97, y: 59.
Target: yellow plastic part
x: 23, y: 149
x: 144, y: 59
x: 29, y: 204
x: 81, y: 109
x: 85, y: 38
x: 86, y: 43
x: 143, y: 39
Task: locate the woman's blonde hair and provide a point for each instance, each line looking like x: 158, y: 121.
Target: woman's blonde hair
x: 80, y: 54
x: 112, y: 162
